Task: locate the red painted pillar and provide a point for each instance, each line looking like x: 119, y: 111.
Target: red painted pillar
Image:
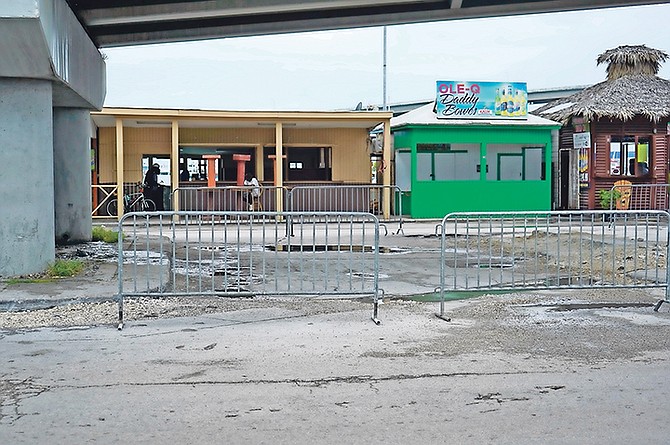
x: 211, y: 178
x: 211, y: 169
x: 241, y: 167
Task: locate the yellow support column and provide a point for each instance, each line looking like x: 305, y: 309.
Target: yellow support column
x: 386, y: 200
x: 174, y: 163
x: 279, y: 170
x: 119, y: 167
x: 260, y: 173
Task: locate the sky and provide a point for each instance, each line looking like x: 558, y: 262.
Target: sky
x: 335, y: 70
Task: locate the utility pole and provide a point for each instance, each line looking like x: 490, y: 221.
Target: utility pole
x: 384, y: 104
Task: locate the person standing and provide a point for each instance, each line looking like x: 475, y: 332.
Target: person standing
x: 184, y: 174
x: 253, y: 194
x: 153, y: 190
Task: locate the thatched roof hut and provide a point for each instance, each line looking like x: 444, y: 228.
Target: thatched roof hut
x: 632, y: 88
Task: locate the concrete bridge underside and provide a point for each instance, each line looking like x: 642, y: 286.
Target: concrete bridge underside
x: 52, y: 75
x: 125, y: 22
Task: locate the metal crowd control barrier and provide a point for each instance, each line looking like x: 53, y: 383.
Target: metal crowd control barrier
x: 103, y: 193
x: 517, y: 251
x: 644, y: 196
x: 109, y: 192
x: 248, y: 253
x: 228, y: 199
x: 366, y: 198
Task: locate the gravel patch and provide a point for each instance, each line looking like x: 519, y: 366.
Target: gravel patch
x: 134, y: 309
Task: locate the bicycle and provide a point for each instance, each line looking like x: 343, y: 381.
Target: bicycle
x: 132, y: 202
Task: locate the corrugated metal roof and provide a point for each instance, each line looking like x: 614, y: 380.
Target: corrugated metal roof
x: 426, y: 116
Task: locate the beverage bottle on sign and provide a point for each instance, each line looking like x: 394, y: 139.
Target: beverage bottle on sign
x: 517, y: 103
x: 498, y: 109
x: 503, y: 103
x: 510, y: 101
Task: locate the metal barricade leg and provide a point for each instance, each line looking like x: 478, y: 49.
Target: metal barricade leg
x: 658, y: 305
x: 375, y: 311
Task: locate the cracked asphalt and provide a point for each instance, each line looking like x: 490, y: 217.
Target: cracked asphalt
x: 508, y: 369
x: 556, y: 367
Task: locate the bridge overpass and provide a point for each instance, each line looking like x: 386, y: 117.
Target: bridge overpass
x: 52, y: 74
x: 125, y: 22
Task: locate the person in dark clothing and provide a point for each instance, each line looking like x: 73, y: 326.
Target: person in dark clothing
x: 183, y: 174
x: 152, y: 189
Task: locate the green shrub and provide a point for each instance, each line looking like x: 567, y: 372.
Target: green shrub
x: 58, y: 269
x: 102, y: 234
x: 64, y: 268
x: 608, y: 198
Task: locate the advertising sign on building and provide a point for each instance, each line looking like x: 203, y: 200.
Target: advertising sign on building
x: 481, y: 100
x: 583, y: 166
x: 581, y: 140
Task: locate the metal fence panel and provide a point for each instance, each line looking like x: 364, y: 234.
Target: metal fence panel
x: 514, y: 251
x: 366, y: 198
x: 248, y: 253
x: 228, y: 199
x: 644, y: 196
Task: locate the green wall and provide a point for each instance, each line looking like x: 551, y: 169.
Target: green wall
x: 435, y: 199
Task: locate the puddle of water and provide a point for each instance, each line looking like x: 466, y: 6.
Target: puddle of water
x: 567, y: 281
x: 451, y: 295
x: 141, y: 257
x: 581, y: 306
x: 332, y: 248
x: 367, y: 276
x: 235, y: 248
x: 493, y: 264
x: 649, y: 319
x: 208, y: 267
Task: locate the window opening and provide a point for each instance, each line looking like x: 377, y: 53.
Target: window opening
x: 225, y: 167
x: 301, y: 163
x: 163, y: 162
x: 629, y: 155
x: 515, y: 162
x: 447, y: 162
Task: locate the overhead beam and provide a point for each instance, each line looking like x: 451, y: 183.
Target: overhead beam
x: 124, y: 22
x: 200, y: 10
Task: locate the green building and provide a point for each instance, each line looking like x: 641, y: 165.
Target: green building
x: 466, y: 165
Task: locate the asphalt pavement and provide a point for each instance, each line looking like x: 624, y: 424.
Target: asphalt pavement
x: 579, y: 366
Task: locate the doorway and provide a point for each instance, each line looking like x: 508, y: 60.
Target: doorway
x: 564, y: 183
x: 301, y: 164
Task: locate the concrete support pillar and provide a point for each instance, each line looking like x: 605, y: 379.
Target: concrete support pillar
x: 27, y: 184
x: 46, y: 60
x: 72, y: 174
